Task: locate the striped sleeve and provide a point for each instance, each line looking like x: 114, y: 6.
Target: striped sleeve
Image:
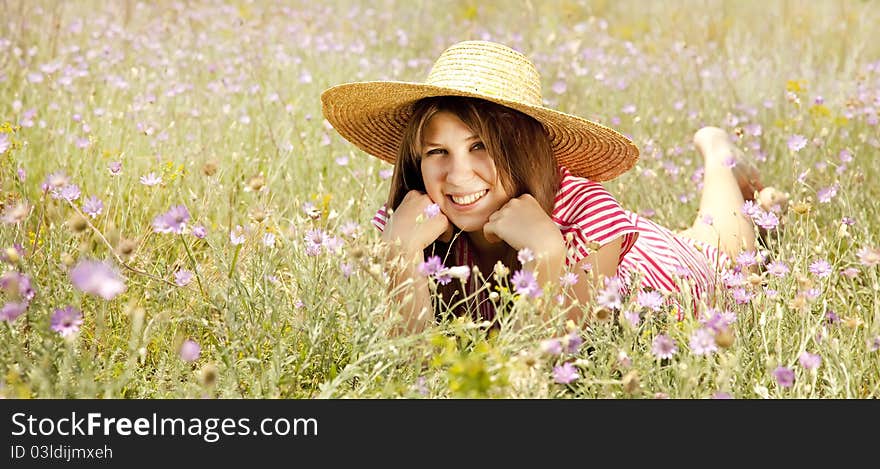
x: 592, y: 215
x: 381, y: 218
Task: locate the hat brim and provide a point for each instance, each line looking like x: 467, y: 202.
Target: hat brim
x: 373, y: 116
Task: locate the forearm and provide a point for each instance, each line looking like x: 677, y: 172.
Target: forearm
x: 410, y: 289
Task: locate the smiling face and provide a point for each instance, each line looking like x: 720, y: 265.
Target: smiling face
x: 458, y: 172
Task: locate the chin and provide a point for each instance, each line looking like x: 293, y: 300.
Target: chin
x: 469, y: 226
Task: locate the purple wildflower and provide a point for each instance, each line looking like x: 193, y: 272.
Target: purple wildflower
x: 831, y: 317
x: 342, y: 160
x: 200, y: 231
x: 767, y: 220
x: 810, y: 360
x: 551, y: 346
x: 716, y: 320
x: 868, y: 257
x: 115, y: 167
x: 385, y: 173
x: 172, y: 221
x: 524, y: 283
x: 565, y: 373
x: 777, y: 269
x: 821, y: 268
x: 796, y: 143
x: 609, y: 296
x: 93, y: 206
x: 17, y: 285
x: 652, y: 300
x: 746, y: 258
x: 183, y: 277
x: 151, y: 179
x: 333, y: 244
x: 269, y: 240
x: 741, y: 296
x: 66, y: 321
x: 721, y: 395
x: 751, y: 209
x: 432, y: 210
x: 784, y: 376
x: 12, y: 310
x: 69, y: 192
x: 633, y: 317
x: 190, y: 350
x: 14, y: 214
x: 825, y: 195
x: 347, y: 269
x: 664, y: 347
x: 850, y: 272
x: 573, y: 342
x: 349, y: 229
x: 703, y: 342
x: 874, y: 344
x: 431, y: 266
x: 237, y: 235
x: 4, y: 143
x: 525, y: 255
x: 55, y: 180
x: 568, y: 279
x: 97, y: 278
x: 310, y: 210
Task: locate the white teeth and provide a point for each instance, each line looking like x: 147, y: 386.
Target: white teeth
x: 469, y: 199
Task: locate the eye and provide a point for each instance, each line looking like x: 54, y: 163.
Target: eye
x: 478, y: 146
x: 435, y: 151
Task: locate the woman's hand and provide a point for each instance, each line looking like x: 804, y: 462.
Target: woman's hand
x: 412, y: 227
x: 522, y: 223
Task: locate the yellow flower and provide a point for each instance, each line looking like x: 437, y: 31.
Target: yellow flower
x: 796, y: 86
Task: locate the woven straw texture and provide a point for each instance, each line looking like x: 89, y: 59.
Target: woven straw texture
x: 373, y: 115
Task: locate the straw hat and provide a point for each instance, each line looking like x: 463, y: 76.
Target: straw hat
x: 373, y: 115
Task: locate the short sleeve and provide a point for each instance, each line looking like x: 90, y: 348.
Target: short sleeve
x: 587, y: 214
x: 381, y: 218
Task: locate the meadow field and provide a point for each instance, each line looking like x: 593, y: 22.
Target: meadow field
x: 177, y: 220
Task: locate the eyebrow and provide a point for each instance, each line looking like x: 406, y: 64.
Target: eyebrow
x: 432, y: 144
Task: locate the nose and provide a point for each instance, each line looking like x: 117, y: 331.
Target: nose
x: 460, y: 169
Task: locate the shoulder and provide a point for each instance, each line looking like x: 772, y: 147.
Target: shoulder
x: 580, y: 199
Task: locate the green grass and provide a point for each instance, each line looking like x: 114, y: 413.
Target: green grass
x: 165, y: 90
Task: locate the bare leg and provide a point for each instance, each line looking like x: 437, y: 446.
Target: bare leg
x: 720, y: 221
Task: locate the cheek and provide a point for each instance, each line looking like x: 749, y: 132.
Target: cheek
x: 430, y: 177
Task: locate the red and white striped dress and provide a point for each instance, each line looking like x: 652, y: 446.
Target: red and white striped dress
x: 651, y: 258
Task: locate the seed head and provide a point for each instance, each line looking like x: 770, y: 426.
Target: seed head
x: 210, y: 167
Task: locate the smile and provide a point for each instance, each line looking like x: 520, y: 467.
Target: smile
x: 469, y: 199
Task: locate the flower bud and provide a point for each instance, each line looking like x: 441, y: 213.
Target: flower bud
x: 210, y: 167
x: 77, y: 223
x: 724, y: 338
x: 11, y: 255
x: 631, y: 383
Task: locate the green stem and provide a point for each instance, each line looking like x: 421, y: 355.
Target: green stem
x: 234, y: 261
x: 195, y: 267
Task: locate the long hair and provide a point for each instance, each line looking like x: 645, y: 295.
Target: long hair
x: 518, y: 144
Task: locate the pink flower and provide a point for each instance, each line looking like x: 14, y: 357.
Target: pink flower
x: 809, y: 360
x: 565, y: 373
x: 97, y: 278
x: 663, y: 347
x: 868, y: 257
x: 796, y: 143
x: 190, y: 351
x: 784, y: 376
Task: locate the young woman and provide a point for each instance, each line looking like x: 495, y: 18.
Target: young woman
x: 484, y: 173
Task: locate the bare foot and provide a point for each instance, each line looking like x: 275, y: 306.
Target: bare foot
x: 770, y: 197
x: 714, y: 143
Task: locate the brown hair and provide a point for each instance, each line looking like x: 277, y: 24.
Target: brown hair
x: 519, y: 146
